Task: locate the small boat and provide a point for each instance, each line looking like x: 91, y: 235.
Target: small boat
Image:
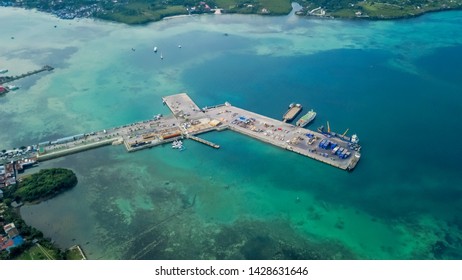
x: 161, y: 56
x: 177, y: 144
x: 155, y: 49
x: 12, y: 87
x: 354, y: 139
x: 179, y: 46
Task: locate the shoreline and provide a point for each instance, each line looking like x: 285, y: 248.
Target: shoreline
x: 174, y: 17
x: 30, y: 233
x: 300, y: 13
x: 389, y: 18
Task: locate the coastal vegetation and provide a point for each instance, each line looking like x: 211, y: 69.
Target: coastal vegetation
x: 144, y: 11
x: 41, y: 251
x: 73, y: 253
x: 382, y: 9
x: 44, y: 184
x: 138, y: 12
x: 34, y: 245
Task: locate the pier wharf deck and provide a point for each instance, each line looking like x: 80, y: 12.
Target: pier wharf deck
x: 278, y: 133
x: 8, y: 79
x: 283, y: 135
x: 189, y: 120
x: 203, y: 141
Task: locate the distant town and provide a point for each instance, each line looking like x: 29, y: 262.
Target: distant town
x: 144, y: 11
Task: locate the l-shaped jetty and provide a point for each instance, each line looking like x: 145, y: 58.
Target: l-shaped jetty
x: 189, y: 120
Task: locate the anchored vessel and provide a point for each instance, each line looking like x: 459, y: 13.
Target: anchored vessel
x: 306, y: 119
x: 177, y: 144
x: 294, y: 110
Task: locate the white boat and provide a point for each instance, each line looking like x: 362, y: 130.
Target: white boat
x: 177, y: 144
x: 354, y: 139
x: 161, y: 56
x: 3, y: 71
x: 155, y: 49
x: 306, y: 119
x: 12, y: 87
x: 179, y: 46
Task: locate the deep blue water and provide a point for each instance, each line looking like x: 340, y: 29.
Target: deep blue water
x: 396, y: 84
x: 404, y: 120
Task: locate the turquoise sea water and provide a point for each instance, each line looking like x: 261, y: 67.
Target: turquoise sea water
x: 394, y: 83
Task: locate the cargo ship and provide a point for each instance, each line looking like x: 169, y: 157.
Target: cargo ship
x: 294, y: 110
x: 306, y: 119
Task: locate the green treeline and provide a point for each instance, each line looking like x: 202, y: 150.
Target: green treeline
x: 41, y: 185
x: 378, y: 9
x: 30, y: 234
x: 45, y: 184
x: 144, y: 11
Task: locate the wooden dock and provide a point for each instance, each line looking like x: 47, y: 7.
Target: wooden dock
x: 8, y: 79
x: 203, y: 141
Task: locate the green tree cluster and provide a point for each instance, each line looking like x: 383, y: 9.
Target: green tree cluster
x: 45, y: 184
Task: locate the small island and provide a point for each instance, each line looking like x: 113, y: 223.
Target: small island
x: 145, y: 11
x: 21, y: 241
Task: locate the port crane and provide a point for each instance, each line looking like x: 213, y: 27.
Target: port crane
x: 331, y: 133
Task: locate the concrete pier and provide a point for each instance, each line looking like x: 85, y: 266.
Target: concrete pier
x: 8, y: 79
x: 203, y: 141
x: 72, y: 149
x: 189, y: 120
x: 275, y: 132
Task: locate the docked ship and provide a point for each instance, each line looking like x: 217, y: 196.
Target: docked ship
x: 294, y: 110
x: 306, y: 119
